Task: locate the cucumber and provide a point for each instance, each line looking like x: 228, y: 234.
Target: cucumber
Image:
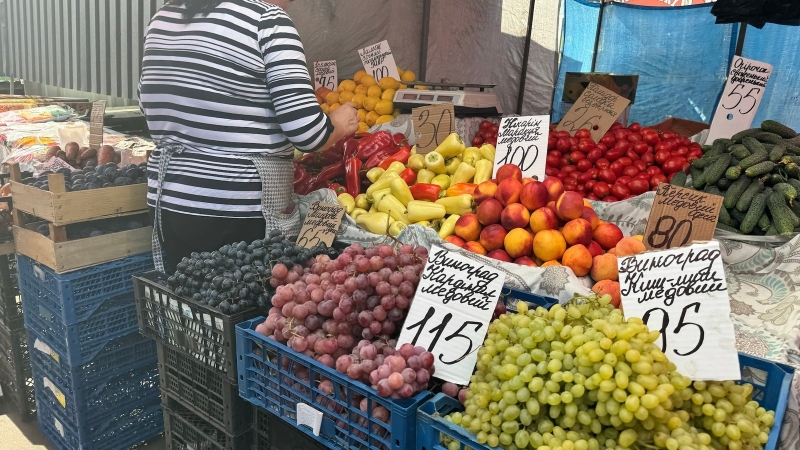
x: 733, y: 172
x: 755, y: 158
x: 754, y: 212
x: 795, y: 207
x: 778, y: 128
x: 777, y: 152
x: 703, y: 162
x: 790, y: 159
x: 795, y: 183
x: 759, y: 169
x: 711, y: 189
x: 737, y: 188
x: 736, y: 215
x: 725, y: 227
x: 755, y: 188
x: 739, y: 151
x: 772, y: 231
x: 723, y: 184
x: 793, y: 170
x: 679, y: 179
x: 764, y: 223
x: 753, y: 145
x: 782, y: 217
x: 775, y: 178
x: 788, y: 191
x: 745, y: 133
x: 724, y: 217
x: 767, y: 137
x: 791, y: 149
x: 717, y: 168
x: 697, y: 177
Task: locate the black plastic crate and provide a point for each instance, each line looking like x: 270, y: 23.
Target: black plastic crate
x: 10, y: 304
x: 184, y: 430
x: 205, y: 391
x: 272, y: 433
x: 16, y: 378
x: 204, y: 333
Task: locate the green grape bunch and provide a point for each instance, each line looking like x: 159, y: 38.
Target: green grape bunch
x: 582, y: 377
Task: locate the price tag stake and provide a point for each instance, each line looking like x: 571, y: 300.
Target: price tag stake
x: 596, y: 110
x: 744, y: 88
x: 432, y: 125
x: 522, y: 141
x: 321, y: 224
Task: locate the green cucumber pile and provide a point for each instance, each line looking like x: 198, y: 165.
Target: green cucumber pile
x: 757, y: 171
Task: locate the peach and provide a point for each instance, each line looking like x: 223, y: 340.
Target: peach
x: 578, y: 259
x: 508, y: 191
x: 552, y: 205
x: 591, y: 216
x: 468, y: 227
x: 489, y: 211
x: 570, y: 205
x: 484, y: 191
x: 518, y: 243
x: 527, y: 180
x: 608, y: 287
x: 595, y: 249
x: 507, y: 171
x: 534, y: 195
x: 525, y: 261
x: 543, y: 219
x: 578, y: 231
x: 475, y: 247
x: 515, y: 216
x: 613, y: 251
x: 549, y: 245
x: 604, y: 267
x: 607, y: 235
x: 455, y: 240
x: 492, y: 237
x: 587, y: 203
x: 554, y: 187
x: 629, y: 246
x: 551, y: 264
x: 500, y: 255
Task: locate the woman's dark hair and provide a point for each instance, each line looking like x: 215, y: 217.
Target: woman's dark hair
x: 195, y: 7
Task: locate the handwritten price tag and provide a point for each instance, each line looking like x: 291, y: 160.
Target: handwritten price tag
x: 326, y: 75
x: 746, y: 83
x: 596, y: 110
x: 432, y: 125
x: 378, y: 61
x: 451, y: 312
x: 680, y: 217
x: 321, y: 224
x: 96, y: 124
x: 522, y: 141
x: 683, y: 294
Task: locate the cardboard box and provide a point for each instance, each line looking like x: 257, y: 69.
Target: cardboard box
x: 684, y: 127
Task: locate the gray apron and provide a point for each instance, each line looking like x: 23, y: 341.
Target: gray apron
x: 277, y: 181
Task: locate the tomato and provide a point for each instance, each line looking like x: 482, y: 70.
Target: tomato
x: 601, y: 189
x: 484, y: 125
x: 584, y: 145
x: 583, y: 133
x: 562, y: 135
x: 621, y: 134
x: 594, y: 155
x: 584, y: 177
x: 642, y: 176
x: 634, y: 137
x: 673, y: 145
x: 563, y: 161
x: 583, y: 165
x: 613, y: 154
x: 617, y: 167
x: 681, y: 151
x: 589, y: 184
x: 639, y: 164
x: 569, y: 168
x: 607, y: 175
x: 625, y: 161
x: 615, y: 126
x: 662, y: 156
x: 602, y: 147
x: 632, y: 155
x: 494, y: 128
x: 667, y: 135
x: 562, y: 144
x: 653, y: 170
x: 656, y: 180
x: 551, y: 142
x: 551, y: 171
x: 631, y: 171
x: 592, y: 197
x: 477, y: 141
x: 641, y: 148
x: 661, y: 146
x: 608, y: 140
x: 648, y: 158
x: 622, y: 146
x: 635, y: 126
x: 602, y: 163
x: 620, y: 191
x: 611, y: 199
x: 574, y: 157
x: 624, y: 180
x: 673, y: 164
x: 694, y: 154
x: 638, y: 186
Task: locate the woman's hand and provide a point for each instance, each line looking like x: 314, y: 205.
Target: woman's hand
x: 345, y: 120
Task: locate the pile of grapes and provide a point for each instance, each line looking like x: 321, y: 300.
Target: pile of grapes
x: 363, y: 295
x: 582, y: 377
x: 240, y: 275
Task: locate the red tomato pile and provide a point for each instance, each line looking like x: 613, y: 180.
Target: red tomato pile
x: 487, y: 134
x: 625, y: 163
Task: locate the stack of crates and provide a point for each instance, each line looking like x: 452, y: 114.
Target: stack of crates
x: 95, y: 377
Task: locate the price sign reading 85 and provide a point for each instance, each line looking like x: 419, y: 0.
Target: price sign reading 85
x: 452, y: 308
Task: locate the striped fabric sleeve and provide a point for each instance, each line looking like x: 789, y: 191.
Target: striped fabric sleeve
x: 289, y: 83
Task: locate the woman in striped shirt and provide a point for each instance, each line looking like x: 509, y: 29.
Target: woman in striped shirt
x: 227, y: 96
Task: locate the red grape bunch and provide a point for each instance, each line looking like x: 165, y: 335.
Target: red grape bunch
x: 404, y: 373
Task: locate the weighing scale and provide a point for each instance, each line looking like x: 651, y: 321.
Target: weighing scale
x: 467, y: 99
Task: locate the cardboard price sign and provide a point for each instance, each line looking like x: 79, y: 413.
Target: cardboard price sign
x: 326, y: 75
x: 378, y: 61
x: 683, y: 294
x: 522, y: 141
x: 321, y: 224
x: 96, y: 124
x: 432, y: 125
x: 681, y: 216
x: 451, y: 312
x: 596, y: 110
x: 738, y: 105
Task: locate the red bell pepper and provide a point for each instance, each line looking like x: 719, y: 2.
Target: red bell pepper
x: 302, y: 180
x: 373, y: 144
x: 402, y: 155
x: 422, y: 191
x: 409, y: 176
x: 399, y: 139
x: 337, y: 188
x: 377, y: 158
x: 350, y: 148
x: 352, y: 177
x: 327, y: 174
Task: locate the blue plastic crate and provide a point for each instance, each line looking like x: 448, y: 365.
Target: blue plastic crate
x: 74, y: 296
x: 122, y: 429
x: 771, y: 385
x: 269, y: 377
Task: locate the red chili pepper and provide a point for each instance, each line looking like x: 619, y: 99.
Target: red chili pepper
x: 352, y: 177
x: 422, y: 191
x: 327, y: 174
x: 409, y: 176
x: 399, y: 139
x: 337, y: 188
x: 351, y: 148
x: 302, y: 180
x: 402, y: 155
x: 373, y: 144
x: 377, y: 158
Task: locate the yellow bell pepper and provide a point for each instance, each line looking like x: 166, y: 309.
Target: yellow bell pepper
x: 357, y: 212
x: 396, y: 166
x: 362, y: 201
x: 483, y: 171
x: 424, y: 176
x: 435, y: 162
x: 382, y: 183
x: 416, y: 162
x: 448, y: 227
x: 375, y: 174
x: 424, y: 223
x: 401, y: 191
x: 471, y: 155
x: 396, y: 228
x: 463, y: 174
x: 377, y: 223
x: 453, y: 145
x: 347, y: 201
x: 460, y: 204
x: 373, y: 208
x: 392, y: 206
x: 452, y: 165
x: 420, y: 210
x: 487, y: 152
x: 377, y: 196
x: 442, y: 181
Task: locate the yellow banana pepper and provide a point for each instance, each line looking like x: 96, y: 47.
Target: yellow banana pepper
x: 443, y: 181
x: 347, y: 201
x: 471, y: 155
x: 357, y: 212
x: 396, y: 228
x: 448, y: 227
x: 392, y: 206
x: 378, y: 195
x: 362, y: 201
x: 420, y: 210
x: 452, y: 165
x: 424, y: 176
x: 487, y: 152
x: 373, y: 208
x: 435, y: 162
x: 401, y: 191
x: 463, y: 174
x: 382, y: 183
x: 453, y: 145
x: 416, y: 162
x: 375, y: 174
x: 396, y: 166
x: 377, y: 223
x: 483, y: 171
x: 460, y: 204
x: 424, y: 223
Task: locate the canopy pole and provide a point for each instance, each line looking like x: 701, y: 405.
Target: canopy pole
x: 423, y: 49
x: 597, y: 35
x: 740, y: 40
x: 525, y: 56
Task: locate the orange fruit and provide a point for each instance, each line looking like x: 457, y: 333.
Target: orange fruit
x: 362, y: 114
x: 368, y: 80
x: 362, y: 127
x: 374, y: 91
x: 346, y: 96
x: 420, y: 87
x: 332, y: 97
x: 384, y: 119
x: 384, y: 107
x: 360, y: 89
x: 335, y: 106
x: 388, y: 83
x: 388, y: 94
x: 358, y: 100
x: 347, y: 86
x: 370, y: 103
x: 408, y: 76
x: 403, y: 86
x: 372, y: 117
x: 325, y: 108
x: 358, y: 75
